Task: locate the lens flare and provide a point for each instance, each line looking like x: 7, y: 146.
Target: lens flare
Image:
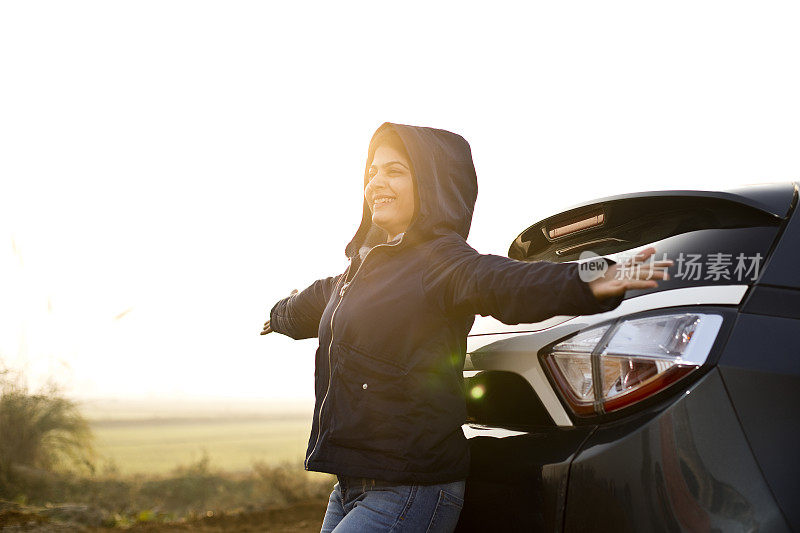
x: 477, y: 392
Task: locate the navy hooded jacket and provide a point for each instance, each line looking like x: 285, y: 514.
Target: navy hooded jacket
x: 393, y: 328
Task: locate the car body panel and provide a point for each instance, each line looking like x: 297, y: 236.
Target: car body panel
x: 519, y: 483
x: 688, y: 469
x: 772, y: 301
x: 761, y: 370
x: 710, y: 295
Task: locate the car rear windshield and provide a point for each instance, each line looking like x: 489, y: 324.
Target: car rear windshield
x: 712, y: 241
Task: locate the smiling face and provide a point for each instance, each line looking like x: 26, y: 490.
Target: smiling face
x: 390, y: 191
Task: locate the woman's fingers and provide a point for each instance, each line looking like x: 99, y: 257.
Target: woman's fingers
x: 630, y: 274
x: 662, y: 266
x: 647, y: 273
x: 638, y: 264
x: 644, y: 273
x: 640, y: 284
x: 644, y: 254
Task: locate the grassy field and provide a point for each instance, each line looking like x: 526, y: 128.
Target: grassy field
x: 136, y: 441
x: 201, y: 465
x: 232, y: 444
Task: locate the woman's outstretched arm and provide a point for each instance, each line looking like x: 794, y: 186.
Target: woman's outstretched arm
x: 298, y: 314
x: 463, y: 281
x: 268, y: 324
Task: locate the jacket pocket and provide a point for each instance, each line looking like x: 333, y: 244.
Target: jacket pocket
x: 371, y: 403
x: 371, y: 361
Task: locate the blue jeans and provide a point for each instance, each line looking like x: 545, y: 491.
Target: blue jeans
x: 369, y: 505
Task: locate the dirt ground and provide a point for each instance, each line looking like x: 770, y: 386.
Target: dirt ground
x: 303, y: 517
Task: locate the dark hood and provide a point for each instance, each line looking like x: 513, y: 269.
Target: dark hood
x: 446, y: 186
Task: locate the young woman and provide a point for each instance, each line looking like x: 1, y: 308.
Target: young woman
x: 392, y: 333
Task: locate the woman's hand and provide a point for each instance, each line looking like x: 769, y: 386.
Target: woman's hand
x: 267, y: 327
x: 621, y: 277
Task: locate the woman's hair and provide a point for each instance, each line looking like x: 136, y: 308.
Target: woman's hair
x: 388, y: 137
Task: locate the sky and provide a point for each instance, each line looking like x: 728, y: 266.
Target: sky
x: 170, y: 169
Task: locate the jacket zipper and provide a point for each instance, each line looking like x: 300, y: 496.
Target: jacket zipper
x: 330, y: 345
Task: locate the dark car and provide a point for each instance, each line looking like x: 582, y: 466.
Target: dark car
x: 677, y: 411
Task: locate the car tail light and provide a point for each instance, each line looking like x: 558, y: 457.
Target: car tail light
x: 612, y: 366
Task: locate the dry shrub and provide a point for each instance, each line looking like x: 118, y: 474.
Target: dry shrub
x: 197, y: 488
x: 189, y: 488
x: 286, y: 484
x: 40, y: 434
